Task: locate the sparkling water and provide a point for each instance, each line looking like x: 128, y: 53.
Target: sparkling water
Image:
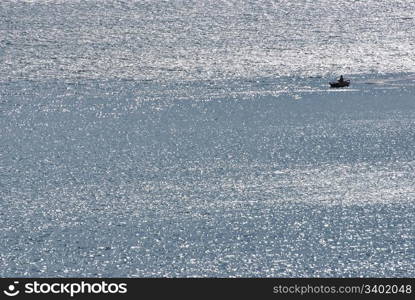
x: 201, y: 138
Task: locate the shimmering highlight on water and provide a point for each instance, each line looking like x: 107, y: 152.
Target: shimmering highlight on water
x: 200, y: 138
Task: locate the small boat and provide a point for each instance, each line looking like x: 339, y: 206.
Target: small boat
x: 337, y: 84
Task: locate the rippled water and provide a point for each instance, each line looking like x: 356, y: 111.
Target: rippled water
x: 204, y: 39
x: 199, y: 138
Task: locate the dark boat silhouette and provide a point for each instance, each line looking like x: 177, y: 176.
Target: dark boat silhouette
x: 337, y: 84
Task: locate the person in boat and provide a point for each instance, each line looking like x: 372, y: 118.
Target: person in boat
x: 341, y: 80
